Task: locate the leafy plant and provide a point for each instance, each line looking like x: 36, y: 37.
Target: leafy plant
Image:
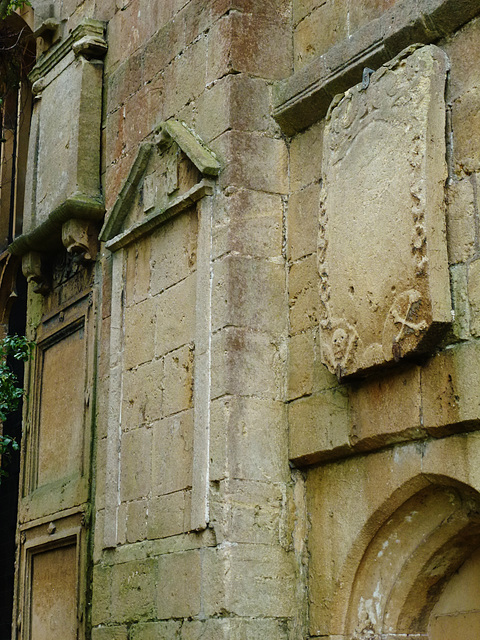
x: 9, y: 6
x: 19, y: 348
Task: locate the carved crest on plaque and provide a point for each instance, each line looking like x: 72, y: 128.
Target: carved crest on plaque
x: 382, y: 260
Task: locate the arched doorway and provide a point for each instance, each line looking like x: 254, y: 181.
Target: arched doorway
x: 412, y: 577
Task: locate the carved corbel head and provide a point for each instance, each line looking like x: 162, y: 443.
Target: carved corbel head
x: 79, y: 237
x: 33, y: 271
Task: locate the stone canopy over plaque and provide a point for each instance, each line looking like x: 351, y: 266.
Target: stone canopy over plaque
x: 63, y: 196
x: 382, y: 257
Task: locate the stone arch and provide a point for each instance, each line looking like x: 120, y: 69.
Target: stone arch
x: 417, y: 542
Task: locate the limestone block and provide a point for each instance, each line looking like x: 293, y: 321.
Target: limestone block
x: 250, y: 293
x: 186, y: 77
x: 302, y: 221
x: 319, y: 30
x: 461, y: 307
x: 234, y: 102
x: 234, y: 629
x: 465, y: 126
x: 450, y: 381
x: 270, y: 570
x: 174, y: 247
x: 460, y: 221
x: 360, y: 13
x: 319, y: 426
x: 172, y: 453
x: 106, y: 287
x: 101, y: 458
x: 474, y: 296
x: 362, y: 485
x: 142, y: 395
x: 246, y: 363
x: 137, y: 520
x: 179, y: 586
x: 133, y: 585
x: 118, y: 632
x: 136, y: 448
x: 256, y: 42
x: 142, y: 269
x: 256, y: 161
x: 178, y: 377
x: 249, y: 439
x: 303, y: 294
x: 249, y: 223
x: 102, y: 590
x: 162, y: 47
x: 139, y: 333
x: 463, y: 49
x: 302, y: 8
x: 255, y: 513
x: 168, y: 630
x: 168, y: 515
x: 384, y: 272
x: 301, y: 362
x: 176, y: 316
x: 386, y: 409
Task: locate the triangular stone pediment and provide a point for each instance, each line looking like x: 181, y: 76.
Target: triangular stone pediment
x: 170, y: 173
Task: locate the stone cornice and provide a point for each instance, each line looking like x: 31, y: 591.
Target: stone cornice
x: 48, y: 233
x: 304, y: 98
x: 87, y: 38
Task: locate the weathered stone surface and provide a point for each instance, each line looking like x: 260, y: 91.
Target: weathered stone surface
x: 319, y: 30
x: 386, y: 410
x: 302, y: 222
x: 54, y: 583
x: 172, y: 454
x: 461, y: 221
x: 136, y: 448
x: 178, y: 595
x: 133, y: 584
x: 474, y: 296
x: 449, y: 390
x: 61, y: 409
x: 168, y: 515
x: 381, y: 249
x: 74, y: 142
x: 319, y: 426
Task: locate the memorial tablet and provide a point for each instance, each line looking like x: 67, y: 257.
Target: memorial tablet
x: 382, y: 256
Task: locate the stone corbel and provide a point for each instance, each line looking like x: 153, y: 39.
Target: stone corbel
x: 90, y: 46
x: 79, y: 237
x: 33, y: 271
x: 49, y: 32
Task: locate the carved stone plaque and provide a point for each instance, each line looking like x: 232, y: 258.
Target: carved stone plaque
x: 382, y: 257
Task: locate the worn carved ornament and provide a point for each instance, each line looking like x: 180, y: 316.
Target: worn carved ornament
x: 382, y: 260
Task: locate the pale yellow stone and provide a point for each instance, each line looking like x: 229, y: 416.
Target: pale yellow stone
x: 319, y: 426
x: 172, y: 453
x: 179, y: 589
x: 178, y: 380
x: 383, y: 267
x: 303, y: 209
x: 460, y: 221
x: 135, y: 472
x: 474, y: 296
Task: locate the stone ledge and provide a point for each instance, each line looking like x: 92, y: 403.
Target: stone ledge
x: 304, y: 98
